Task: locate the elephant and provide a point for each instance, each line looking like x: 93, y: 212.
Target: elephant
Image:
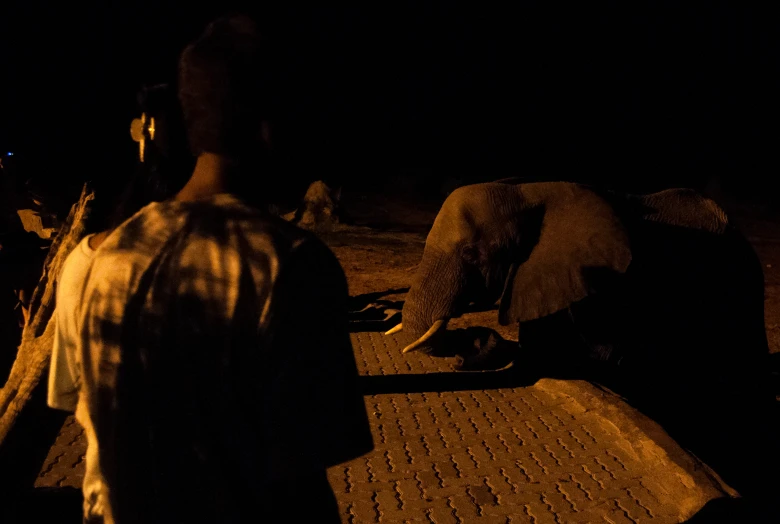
x: 638, y: 279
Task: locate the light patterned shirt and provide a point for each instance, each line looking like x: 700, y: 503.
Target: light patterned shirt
x: 63, y: 374
x: 64, y: 380
x: 216, y: 361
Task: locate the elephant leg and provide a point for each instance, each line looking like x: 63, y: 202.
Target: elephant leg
x: 596, y: 322
x: 551, y: 341
x: 487, y: 351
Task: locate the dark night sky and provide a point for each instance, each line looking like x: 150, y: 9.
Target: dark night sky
x: 641, y: 95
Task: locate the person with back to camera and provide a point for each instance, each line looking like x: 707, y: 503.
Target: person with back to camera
x: 215, y: 362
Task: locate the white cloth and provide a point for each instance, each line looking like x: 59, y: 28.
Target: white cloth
x: 64, y: 379
x: 63, y: 373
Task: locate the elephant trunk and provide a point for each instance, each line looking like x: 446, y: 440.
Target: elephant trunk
x: 434, y: 296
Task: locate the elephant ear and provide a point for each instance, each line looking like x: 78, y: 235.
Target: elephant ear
x: 582, y: 246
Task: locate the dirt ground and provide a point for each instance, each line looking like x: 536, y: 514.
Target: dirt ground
x: 382, y: 246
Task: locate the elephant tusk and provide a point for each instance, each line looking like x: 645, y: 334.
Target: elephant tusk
x: 395, y: 329
x: 437, y: 326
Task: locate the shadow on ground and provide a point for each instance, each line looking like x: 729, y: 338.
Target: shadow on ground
x: 729, y: 424
x: 21, y: 456
x: 60, y: 505
x: 730, y: 427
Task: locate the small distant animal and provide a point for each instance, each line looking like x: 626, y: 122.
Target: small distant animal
x: 319, y: 208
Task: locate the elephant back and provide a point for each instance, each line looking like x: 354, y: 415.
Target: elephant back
x: 692, y: 297
x: 679, y: 207
x: 695, y: 300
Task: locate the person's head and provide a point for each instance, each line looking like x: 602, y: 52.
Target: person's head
x: 166, y: 167
x: 223, y: 91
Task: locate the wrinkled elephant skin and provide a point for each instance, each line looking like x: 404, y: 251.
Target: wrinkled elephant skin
x: 640, y: 279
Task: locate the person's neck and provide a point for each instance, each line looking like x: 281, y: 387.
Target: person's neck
x: 208, y: 178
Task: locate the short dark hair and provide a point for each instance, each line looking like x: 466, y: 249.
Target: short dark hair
x: 222, y: 88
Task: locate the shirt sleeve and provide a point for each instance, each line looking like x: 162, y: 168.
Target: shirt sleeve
x: 316, y: 408
x: 113, y: 435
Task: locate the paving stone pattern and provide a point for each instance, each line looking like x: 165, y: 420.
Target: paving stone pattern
x: 506, y: 456
x: 511, y: 455
x: 64, y: 465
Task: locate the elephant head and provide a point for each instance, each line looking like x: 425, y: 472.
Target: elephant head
x: 538, y: 247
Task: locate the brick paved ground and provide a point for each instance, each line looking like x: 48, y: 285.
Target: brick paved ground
x: 542, y: 453
x: 526, y: 454
x: 64, y: 465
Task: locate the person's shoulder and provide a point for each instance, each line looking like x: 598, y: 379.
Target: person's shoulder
x: 285, y: 242
x: 266, y: 229
x: 144, y: 231
x: 131, y: 247
x: 80, y: 255
x: 299, y: 242
x: 75, y: 267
